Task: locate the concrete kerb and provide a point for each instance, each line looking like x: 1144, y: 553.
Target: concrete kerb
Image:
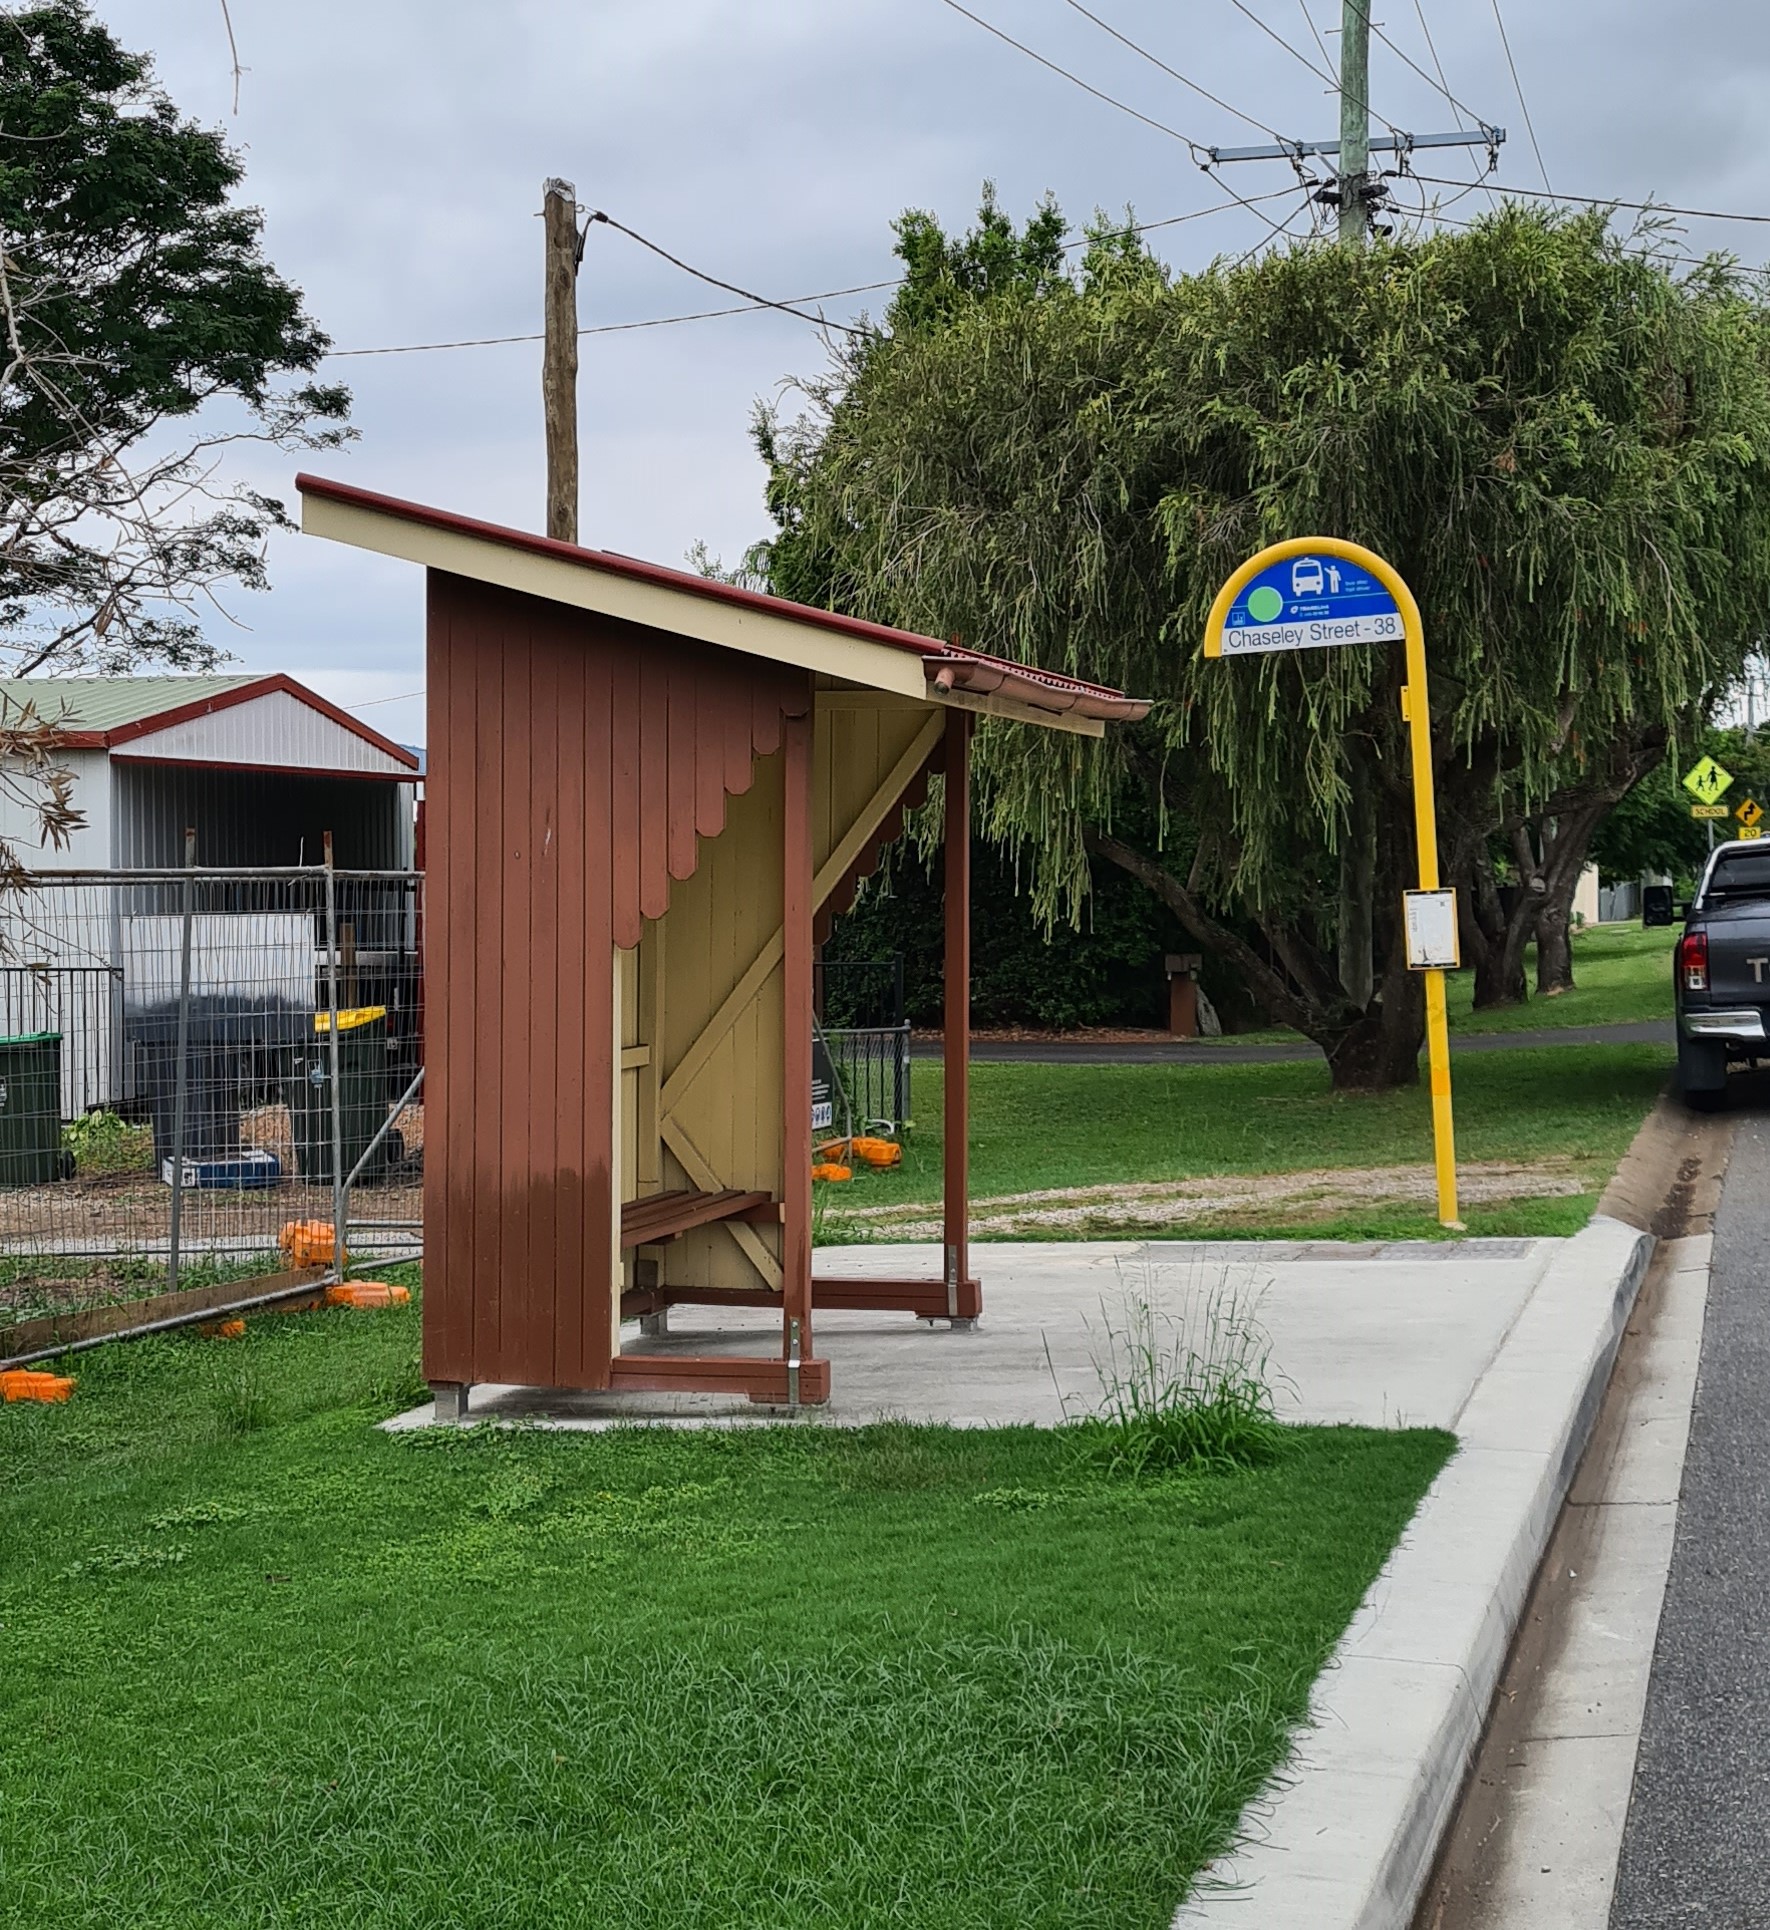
x: 1345, y: 1839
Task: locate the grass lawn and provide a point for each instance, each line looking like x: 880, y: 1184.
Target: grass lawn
x: 1622, y: 973
x: 265, y: 1665
x: 1569, y: 1111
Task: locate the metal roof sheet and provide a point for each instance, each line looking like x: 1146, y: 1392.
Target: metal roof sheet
x: 102, y: 703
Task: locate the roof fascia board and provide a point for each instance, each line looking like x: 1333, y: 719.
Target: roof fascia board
x: 279, y: 682
x: 582, y: 586
x: 147, y: 759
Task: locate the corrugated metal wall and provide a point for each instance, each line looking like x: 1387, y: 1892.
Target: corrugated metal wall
x: 273, y: 729
x: 258, y: 818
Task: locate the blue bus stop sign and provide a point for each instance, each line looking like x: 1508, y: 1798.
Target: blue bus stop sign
x: 1310, y: 602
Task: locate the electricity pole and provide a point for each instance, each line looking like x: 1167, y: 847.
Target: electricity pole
x: 1354, y: 190
x: 1355, y: 121
x: 564, y: 249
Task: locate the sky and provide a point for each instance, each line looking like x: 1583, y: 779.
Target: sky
x: 397, y: 150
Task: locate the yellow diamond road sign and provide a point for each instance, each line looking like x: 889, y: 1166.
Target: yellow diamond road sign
x: 1750, y: 813
x: 1706, y: 780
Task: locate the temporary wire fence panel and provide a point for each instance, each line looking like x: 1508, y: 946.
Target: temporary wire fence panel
x: 171, y: 1031
x: 871, y: 1065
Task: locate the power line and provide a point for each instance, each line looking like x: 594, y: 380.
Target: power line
x: 1087, y: 87
x: 730, y: 287
x: 1198, y: 151
x: 1612, y: 201
x: 1518, y: 86
x: 1404, y: 56
x: 1173, y: 73
x: 1649, y: 255
x: 623, y: 328
x: 1272, y: 33
x: 790, y: 307
x: 1432, y: 49
x: 1443, y: 80
x: 1315, y: 32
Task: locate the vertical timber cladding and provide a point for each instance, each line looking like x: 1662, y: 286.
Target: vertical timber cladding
x: 580, y: 767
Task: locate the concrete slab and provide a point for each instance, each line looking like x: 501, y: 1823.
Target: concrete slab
x: 1385, y: 1334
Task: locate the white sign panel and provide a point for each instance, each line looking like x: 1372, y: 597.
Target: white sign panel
x: 1430, y: 918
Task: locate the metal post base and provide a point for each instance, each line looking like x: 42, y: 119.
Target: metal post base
x: 450, y: 1397
x: 655, y: 1323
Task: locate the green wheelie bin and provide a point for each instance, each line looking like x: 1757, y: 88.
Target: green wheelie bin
x: 30, y: 1109
x: 362, y: 1085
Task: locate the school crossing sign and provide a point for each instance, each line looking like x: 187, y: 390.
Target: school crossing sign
x: 1310, y: 601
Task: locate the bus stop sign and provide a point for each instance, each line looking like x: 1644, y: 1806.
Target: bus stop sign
x: 1308, y: 602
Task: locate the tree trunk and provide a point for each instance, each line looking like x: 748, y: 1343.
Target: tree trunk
x: 1358, y: 864
x: 1367, y: 1050
x: 1554, y: 944
x: 1574, y: 831
x: 1499, y: 966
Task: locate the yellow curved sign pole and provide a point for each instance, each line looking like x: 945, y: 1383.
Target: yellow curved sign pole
x: 1416, y: 712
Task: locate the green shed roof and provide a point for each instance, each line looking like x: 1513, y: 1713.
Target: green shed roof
x: 105, y: 703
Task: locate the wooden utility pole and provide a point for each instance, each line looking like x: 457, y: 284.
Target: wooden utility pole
x: 559, y: 356
x: 1355, y: 121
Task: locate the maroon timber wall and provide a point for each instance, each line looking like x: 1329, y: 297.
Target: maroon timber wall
x: 573, y: 761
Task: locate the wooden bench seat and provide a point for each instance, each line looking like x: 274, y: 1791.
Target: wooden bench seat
x: 667, y: 1216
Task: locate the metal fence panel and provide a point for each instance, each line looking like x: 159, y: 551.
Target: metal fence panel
x: 174, y: 1092
x: 872, y: 1067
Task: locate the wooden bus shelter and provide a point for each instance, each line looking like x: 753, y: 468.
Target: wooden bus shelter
x: 648, y: 795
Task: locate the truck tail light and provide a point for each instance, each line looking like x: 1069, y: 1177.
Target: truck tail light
x: 1693, y: 961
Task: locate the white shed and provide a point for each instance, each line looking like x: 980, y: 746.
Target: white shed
x: 261, y: 766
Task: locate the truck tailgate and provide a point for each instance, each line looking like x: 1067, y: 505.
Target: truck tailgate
x: 1739, y: 953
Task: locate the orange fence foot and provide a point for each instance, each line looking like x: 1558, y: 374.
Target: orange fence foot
x: 26, y: 1384
x: 367, y: 1293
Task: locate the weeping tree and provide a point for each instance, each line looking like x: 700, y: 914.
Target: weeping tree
x: 1561, y: 442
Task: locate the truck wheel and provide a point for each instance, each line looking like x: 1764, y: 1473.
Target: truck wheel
x: 1702, y: 1073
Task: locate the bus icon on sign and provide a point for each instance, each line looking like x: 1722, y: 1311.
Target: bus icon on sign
x: 1306, y: 578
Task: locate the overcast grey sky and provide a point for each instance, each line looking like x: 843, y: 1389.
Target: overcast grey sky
x: 397, y: 148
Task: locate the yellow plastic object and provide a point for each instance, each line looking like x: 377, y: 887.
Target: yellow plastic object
x: 27, y: 1384
x: 350, y: 1018
x: 828, y: 1170
x: 367, y: 1293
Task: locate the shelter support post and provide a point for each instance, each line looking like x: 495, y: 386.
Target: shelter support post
x: 963, y: 1299
x: 797, y: 908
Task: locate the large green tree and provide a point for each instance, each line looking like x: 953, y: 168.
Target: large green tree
x: 134, y: 300
x: 1561, y: 442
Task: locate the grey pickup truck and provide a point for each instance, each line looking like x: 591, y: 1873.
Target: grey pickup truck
x: 1722, y: 971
